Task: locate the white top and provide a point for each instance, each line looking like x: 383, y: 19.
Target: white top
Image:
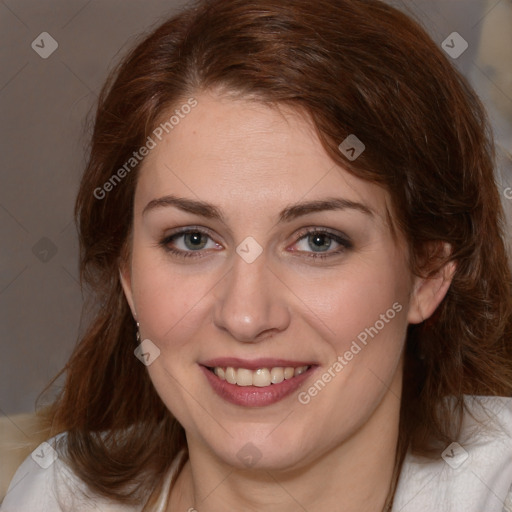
x: 473, y: 476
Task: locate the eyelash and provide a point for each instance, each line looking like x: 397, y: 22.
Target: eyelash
x: 345, y: 243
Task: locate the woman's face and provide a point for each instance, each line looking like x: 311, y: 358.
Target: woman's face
x: 252, y: 250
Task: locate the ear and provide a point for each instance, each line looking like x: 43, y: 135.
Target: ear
x: 428, y: 292
x: 126, y: 283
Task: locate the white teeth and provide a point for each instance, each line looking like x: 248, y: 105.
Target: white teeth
x: 220, y: 373
x: 276, y: 375
x: 244, y: 377
x: 288, y: 372
x: 261, y: 377
x: 231, y: 375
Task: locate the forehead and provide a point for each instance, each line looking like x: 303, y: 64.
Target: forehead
x: 249, y: 154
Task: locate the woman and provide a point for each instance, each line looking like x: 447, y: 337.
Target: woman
x: 291, y: 230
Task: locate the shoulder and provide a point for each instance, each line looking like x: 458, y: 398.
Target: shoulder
x: 44, y: 483
x: 473, y: 473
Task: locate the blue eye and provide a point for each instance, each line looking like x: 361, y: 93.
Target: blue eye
x: 193, y: 242
x: 321, y: 241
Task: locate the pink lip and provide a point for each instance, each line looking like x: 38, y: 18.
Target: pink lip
x: 253, y: 396
x: 254, y: 364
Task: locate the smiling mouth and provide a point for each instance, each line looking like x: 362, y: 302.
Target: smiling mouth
x: 262, y: 377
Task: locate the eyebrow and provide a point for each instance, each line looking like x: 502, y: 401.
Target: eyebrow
x: 289, y: 213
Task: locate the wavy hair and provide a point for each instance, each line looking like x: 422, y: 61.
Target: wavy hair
x: 354, y: 67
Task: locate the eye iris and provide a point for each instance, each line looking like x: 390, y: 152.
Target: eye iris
x: 193, y: 240
x: 321, y: 241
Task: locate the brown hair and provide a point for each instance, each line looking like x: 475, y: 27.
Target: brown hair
x: 354, y: 67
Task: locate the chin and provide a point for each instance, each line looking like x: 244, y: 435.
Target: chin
x: 264, y: 451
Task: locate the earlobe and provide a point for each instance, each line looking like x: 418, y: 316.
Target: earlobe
x: 125, y: 278
x: 429, y: 292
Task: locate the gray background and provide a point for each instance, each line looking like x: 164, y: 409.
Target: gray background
x: 45, y: 104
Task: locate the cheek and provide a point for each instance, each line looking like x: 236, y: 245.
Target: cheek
x: 363, y: 317
x: 168, y: 302
x: 356, y: 301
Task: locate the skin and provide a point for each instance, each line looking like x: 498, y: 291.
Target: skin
x: 251, y: 161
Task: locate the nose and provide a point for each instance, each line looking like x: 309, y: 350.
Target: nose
x: 251, y: 302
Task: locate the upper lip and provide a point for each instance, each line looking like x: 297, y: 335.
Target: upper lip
x: 253, y: 364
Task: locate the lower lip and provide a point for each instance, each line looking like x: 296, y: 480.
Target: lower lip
x: 254, y: 396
